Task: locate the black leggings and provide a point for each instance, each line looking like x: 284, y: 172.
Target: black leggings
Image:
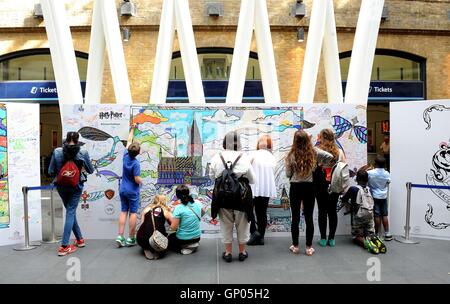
x: 260, y: 221
x: 327, y: 204
x: 302, y: 192
x: 175, y: 244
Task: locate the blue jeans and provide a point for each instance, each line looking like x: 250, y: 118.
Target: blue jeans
x: 71, y: 198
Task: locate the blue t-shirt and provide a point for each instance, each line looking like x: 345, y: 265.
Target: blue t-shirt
x: 189, y: 227
x: 378, y: 182
x: 131, y: 168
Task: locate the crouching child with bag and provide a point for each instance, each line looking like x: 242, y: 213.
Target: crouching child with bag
x: 360, y: 202
x: 152, y: 235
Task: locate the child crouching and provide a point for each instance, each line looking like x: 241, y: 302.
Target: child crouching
x: 361, y: 206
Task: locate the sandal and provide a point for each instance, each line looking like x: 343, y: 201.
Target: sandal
x: 310, y: 251
x: 294, y: 250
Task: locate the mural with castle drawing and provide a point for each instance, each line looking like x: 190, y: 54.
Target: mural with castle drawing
x: 177, y: 143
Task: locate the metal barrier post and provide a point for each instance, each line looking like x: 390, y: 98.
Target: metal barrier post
x: 27, y: 245
x: 406, y: 239
x: 53, y: 240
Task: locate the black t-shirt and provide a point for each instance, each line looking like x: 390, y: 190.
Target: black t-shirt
x: 146, y: 229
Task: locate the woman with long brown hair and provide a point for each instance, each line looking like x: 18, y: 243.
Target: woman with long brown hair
x: 301, y: 161
x: 326, y: 201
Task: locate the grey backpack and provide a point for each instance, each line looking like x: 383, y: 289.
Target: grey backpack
x: 364, y: 204
x: 340, y: 178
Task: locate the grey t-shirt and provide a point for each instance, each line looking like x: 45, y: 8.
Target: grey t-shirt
x: 323, y: 157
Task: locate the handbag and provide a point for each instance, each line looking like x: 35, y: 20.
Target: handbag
x: 158, y: 241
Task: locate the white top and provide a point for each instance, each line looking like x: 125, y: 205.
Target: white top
x: 264, y: 164
x: 243, y: 166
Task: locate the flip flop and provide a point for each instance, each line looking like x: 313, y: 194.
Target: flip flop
x: 294, y: 250
x: 310, y: 251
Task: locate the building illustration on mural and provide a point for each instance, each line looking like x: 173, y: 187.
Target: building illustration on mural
x: 188, y: 169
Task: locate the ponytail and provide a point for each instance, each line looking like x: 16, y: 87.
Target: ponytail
x: 185, y: 199
x: 182, y: 193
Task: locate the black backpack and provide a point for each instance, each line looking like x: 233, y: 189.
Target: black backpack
x: 227, y: 187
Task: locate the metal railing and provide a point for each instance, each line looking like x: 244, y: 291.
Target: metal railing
x: 406, y: 239
x: 27, y: 245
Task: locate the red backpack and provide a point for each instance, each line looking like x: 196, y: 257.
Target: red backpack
x: 69, y: 175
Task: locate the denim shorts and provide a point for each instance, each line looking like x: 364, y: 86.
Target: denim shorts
x: 380, y: 207
x: 129, y: 202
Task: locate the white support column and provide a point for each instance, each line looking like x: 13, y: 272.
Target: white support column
x: 62, y: 52
x: 331, y: 58
x: 116, y: 54
x: 94, y: 80
x: 266, y: 56
x: 313, y: 50
x: 241, y: 52
x: 163, y: 58
x: 363, y: 52
x: 185, y: 34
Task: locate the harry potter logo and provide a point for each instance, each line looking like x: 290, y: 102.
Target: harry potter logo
x: 110, y: 115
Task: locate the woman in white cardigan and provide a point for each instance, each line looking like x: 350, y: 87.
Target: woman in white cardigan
x: 263, y: 189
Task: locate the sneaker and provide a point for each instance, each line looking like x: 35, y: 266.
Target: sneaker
x: 227, y: 257
x: 68, y: 250
x: 331, y: 243
x: 131, y: 242
x: 254, y: 238
x: 379, y: 243
x: 79, y: 243
x: 151, y: 255
x: 120, y: 241
x: 243, y: 256
x: 370, y: 246
x: 388, y: 237
x: 186, y: 251
x: 192, y: 246
x: 322, y: 242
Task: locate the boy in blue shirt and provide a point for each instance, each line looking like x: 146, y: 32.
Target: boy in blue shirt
x: 129, y: 191
x: 379, y: 180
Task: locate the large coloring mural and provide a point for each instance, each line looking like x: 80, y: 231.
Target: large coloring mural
x: 4, y: 194
x: 178, y: 142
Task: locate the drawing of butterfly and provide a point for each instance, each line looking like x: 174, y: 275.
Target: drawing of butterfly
x: 342, y: 125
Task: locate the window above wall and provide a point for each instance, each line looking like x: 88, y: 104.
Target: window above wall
x: 396, y: 75
x: 215, y: 64
x: 35, y: 65
x: 215, y: 67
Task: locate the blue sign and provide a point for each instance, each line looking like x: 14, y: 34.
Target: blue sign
x: 31, y: 90
x: 394, y: 90
x: 215, y: 90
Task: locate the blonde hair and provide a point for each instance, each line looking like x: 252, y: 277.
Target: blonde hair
x: 264, y: 142
x: 302, y: 156
x: 158, y: 201
x: 328, y: 143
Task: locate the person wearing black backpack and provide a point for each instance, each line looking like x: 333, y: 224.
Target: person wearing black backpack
x: 232, y: 199
x: 70, y: 165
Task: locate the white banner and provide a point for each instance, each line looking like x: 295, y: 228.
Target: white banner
x: 20, y: 163
x: 420, y: 154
